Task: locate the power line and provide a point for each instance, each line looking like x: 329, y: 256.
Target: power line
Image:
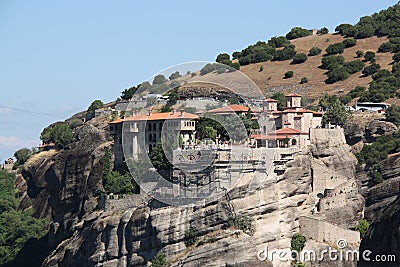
x: 32, y: 112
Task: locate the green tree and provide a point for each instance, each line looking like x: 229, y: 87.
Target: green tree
x: 385, y: 47
x: 303, y: 80
x: 288, y: 74
x: 298, y: 242
x: 359, y: 53
x: 159, y: 79
x: 362, y: 227
x: 323, y: 30
x: 175, y: 76
x: 396, y: 57
x: 117, y: 183
x: 22, y: 155
x: 285, y: 54
x: 191, y: 236
x: 280, y: 41
x: 342, y: 28
x: 365, y: 31
x: 336, y: 114
x: 349, y: 43
x: 392, y: 114
x: 280, y: 97
x: 354, y: 66
x: 371, y: 69
x: 96, y: 104
x: 336, y: 48
x: 314, y: 51
x: 299, y: 58
x: 332, y: 62
x: 61, y: 135
x: 17, y: 227
x: 369, y: 55
x: 160, y: 260
x: 297, y: 32
x: 337, y: 74
x: 127, y: 94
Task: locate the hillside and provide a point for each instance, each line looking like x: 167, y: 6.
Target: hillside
x: 271, y: 78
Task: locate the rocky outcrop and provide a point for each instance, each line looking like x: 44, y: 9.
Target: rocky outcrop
x: 365, y: 128
x: 383, y: 238
x: 377, y: 128
x: 379, y: 195
x: 65, y: 185
x: 132, y: 237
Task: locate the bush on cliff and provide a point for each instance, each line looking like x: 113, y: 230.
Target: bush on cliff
x: 16, y: 227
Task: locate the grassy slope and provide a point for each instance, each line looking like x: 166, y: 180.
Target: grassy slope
x: 271, y: 78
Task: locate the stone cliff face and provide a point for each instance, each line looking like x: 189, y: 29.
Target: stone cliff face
x: 65, y: 186
x: 383, y: 237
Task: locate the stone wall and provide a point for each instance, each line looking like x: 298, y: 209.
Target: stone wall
x: 325, y: 232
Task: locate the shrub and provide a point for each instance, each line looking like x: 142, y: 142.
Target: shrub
x: 244, y: 223
x: 297, y: 243
x: 337, y: 74
x: 96, y: 104
x: 60, y: 135
x: 303, y: 80
x: 22, y: 155
x: 371, y: 69
x: 342, y: 28
x: 369, y: 55
x: 285, y: 54
x: 362, y: 227
x: 335, y: 114
x: 160, y: 260
x: 159, y: 79
x: 299, y: 58
x: 261, y: 68
x: 385, y: 47
x: 297, y: 32
x: 221, y: 58
x: 359, y: 53
x: 354, y: 66
x: 176, y: 75
x: 323, y: 30
x: 191, y: 236
x: 349, y: 43
x: 288, y: 74
x: 314, y: 51
x: 74, y: 123
x: 336, y: 48
x: 364, y: 31
x: 280, y: 41
x: 396, y: 57
x: 331, y: 62
x: 392, y: 114
x: 117, y: 183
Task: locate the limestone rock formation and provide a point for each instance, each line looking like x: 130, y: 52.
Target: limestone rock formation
x: 383, y: 237
x: 64, y: 186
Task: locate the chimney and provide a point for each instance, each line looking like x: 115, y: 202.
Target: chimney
x: 182, y: 112
x: 135, y: 112
x: 173, y: 111
x: 150, y: 111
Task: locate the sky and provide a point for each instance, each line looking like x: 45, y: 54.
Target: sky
x: 56, y: 57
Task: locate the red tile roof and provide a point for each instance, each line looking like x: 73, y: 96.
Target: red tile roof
x: 288, y: 131
x: 278, y: 134
x: 230, y: 108
x: 158, y: 116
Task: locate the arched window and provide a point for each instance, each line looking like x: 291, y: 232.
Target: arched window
x: 294, y: 142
